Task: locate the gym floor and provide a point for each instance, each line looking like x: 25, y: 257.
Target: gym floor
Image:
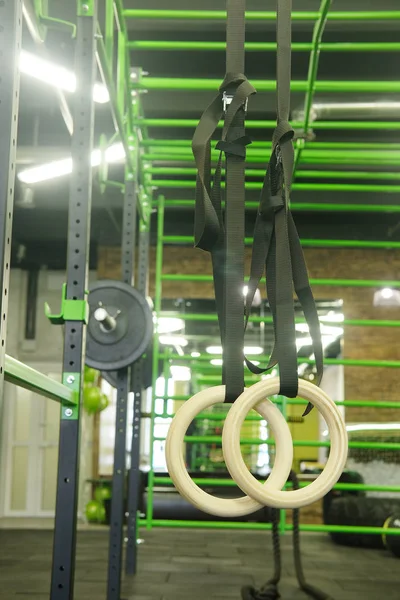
x: 197, y: 564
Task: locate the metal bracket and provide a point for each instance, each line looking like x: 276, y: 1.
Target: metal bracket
x: 146, y: 204
x: 71, y: 310
x: 227, y: 100
x: 71, y: 412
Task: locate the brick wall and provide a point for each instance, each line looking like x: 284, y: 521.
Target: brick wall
x: 361, y: 383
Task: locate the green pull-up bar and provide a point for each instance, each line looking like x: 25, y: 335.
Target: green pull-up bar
x: 258, y: 15
x: 24, y: 376
x: 191, y: 84
x: 258, y: 124
x: 169, y: 45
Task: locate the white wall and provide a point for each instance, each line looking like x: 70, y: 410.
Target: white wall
x: 46, y: 350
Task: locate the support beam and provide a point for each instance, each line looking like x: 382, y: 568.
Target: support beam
x: 123, y: 390
x: 63, y: 568
x: 10, y: 46
x: 137, y: 389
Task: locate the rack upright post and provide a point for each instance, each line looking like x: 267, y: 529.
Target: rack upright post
x: 62, y: 581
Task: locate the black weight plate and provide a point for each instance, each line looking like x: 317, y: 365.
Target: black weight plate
x: 147, y: 372
x: 117, y: 349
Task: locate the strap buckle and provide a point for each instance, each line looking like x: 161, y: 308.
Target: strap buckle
x: 227, y: 100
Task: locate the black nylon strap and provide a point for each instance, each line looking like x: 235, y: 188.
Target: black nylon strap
x: 276, y: 245
x: 224, y: 237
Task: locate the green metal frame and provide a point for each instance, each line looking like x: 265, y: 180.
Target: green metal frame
x: 144, y: 155
x: 199, y: 366
x: 334, y: 154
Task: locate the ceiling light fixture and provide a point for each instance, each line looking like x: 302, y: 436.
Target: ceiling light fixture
x: 333, y: 317
x: 216, y: 362
x: 387, y: 297
x: 173, y: 340
x: 170, y: 324
x: 214, y: 349
x: 307, y: 341
x: 57, y: 76
x: 369, y: 427
x: 59, y: 168
x: 253, y: 350
x: 387, y: 293
x: 180, y: 373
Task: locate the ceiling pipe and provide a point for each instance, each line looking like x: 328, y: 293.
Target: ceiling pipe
x: 350, y: 110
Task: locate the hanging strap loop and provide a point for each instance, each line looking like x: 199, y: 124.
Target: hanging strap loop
x: 276, y: 245
x: 222, y: 233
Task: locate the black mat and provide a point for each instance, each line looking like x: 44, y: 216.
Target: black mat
x: 197, y: 565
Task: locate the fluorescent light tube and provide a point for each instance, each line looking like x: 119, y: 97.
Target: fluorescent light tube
x: 57, y: 76
x: 50, y: 170
x: 253, y: 350
x: 173, y: 340
x: 170, y: 324
x: 247, y: 350
x: 180, y: 373
x: 214, y: 350
x: 58, y: 168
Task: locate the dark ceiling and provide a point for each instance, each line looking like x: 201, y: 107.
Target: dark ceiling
x: 40, y: 226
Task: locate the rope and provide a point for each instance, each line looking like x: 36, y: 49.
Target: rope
x: 270, y: 591
x: 306, y: 587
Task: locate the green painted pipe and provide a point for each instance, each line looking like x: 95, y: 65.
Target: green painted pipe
x: 256, y: 124
x: 374, y: 283
x: 347, y: 529
x: 261, y: 155
x: 264, y: 151
x: 309, y: 174
x: 318, y: 31
x: 187, y: 239
x: 308, y: 206
x: 258, y: 15
x: 264, y: 46
x: 338, y: 486
x: 345, y: 175
x: 309, y: 146
x: 348, y: 362
x: 255, y: 319
x: 216, y: 439
x: 262, y: 85
x: 337, y: 161
x: 206, y: 524
x: 267, y: 526
x: 309, y: 187
x: 258, y: 159
x: 352, y: 145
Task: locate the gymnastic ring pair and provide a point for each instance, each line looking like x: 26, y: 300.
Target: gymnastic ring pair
x: 259, y: 494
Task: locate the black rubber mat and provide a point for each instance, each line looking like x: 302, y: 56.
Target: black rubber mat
x: 197, y: 564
